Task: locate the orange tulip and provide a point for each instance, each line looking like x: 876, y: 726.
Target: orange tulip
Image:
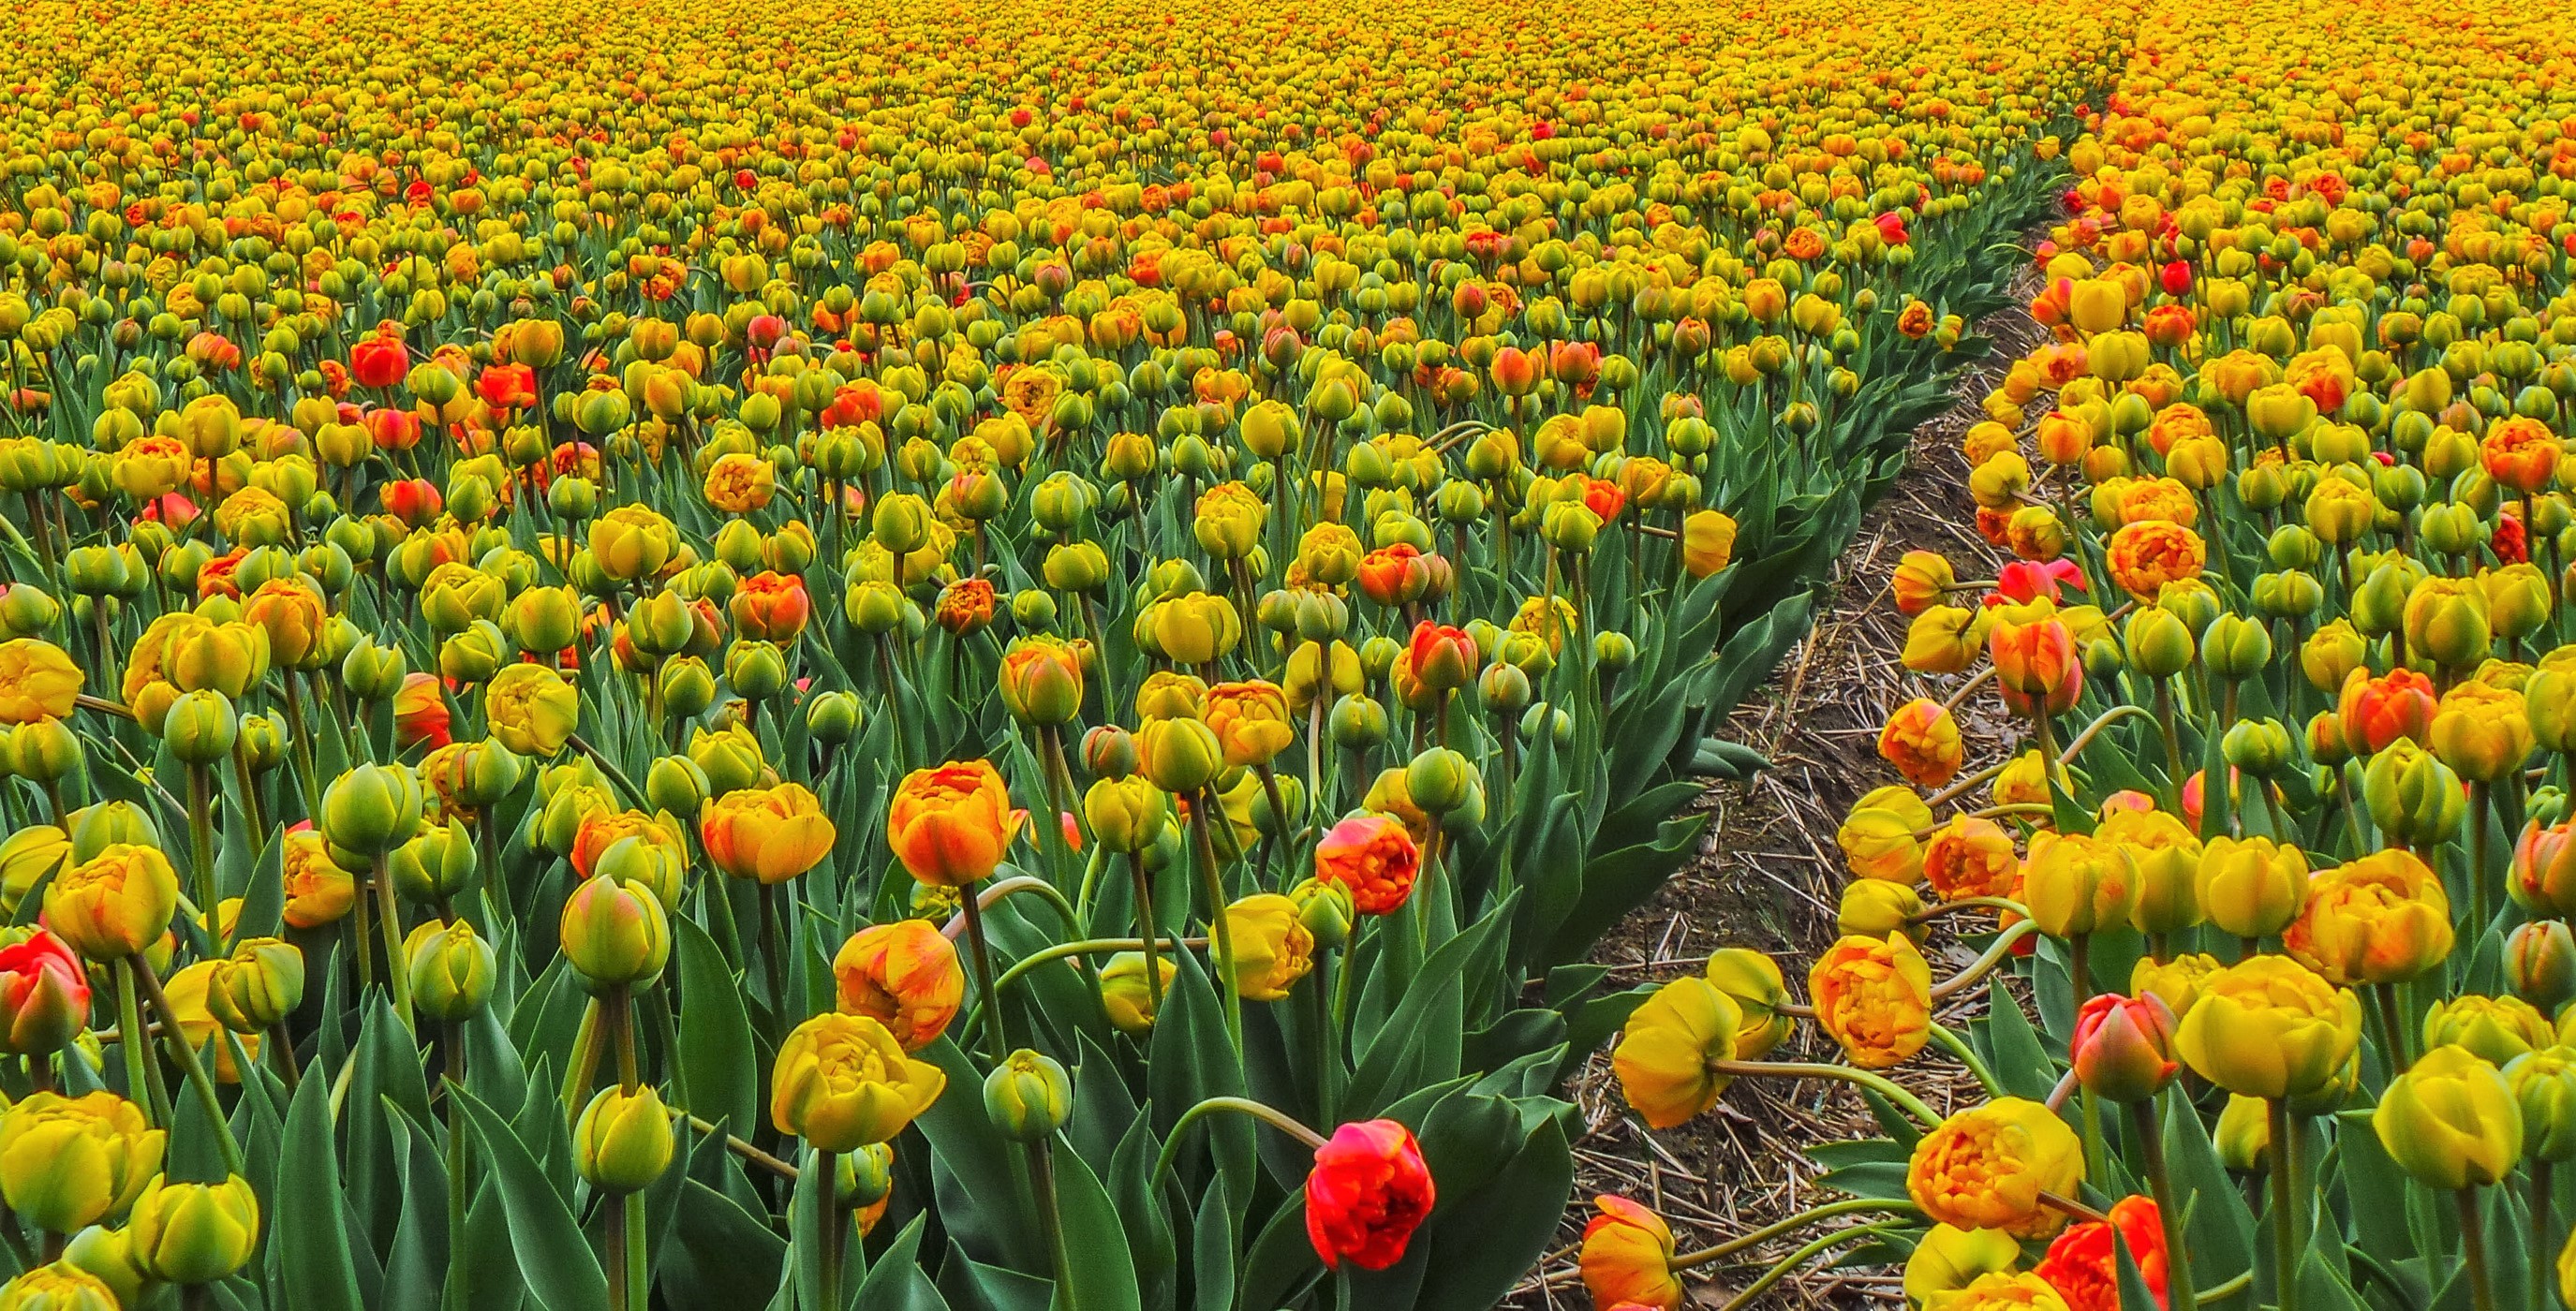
x: 951, y: 825
x: 903, y: 975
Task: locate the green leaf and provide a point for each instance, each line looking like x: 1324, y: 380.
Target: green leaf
x: 562, y: 1272
x: 715, y: 1031
x: 315, y: 1269
x: 1481, y: 1243
x: 1212, y: 1251
x: 895, y: 1282
x: 1101, y: 1274
x: 2021, y: 1062
x: 417, y: 1268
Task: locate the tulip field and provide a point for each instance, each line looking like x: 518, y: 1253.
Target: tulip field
x: 1030, y: 658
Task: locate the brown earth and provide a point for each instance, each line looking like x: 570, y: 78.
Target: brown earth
x: 1768, y: 876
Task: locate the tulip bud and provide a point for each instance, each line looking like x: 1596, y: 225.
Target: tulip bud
x: 1181, y: 756
x: 201, y: 728
x: 2540, y: 964
x: 1439, y: 780
x: 258, y: 986
x: 2244, y: 1134
x: 1325, y: 907
x: 451, y: 969
x: 2260, y: 747
x: 1028, y: 1097
x: 193, y: 1233
x: 623, y: 1140
x: 372, y: 809
x: 1128, y: 995
x: 2159, y: 643
x: 2123, y: 1047
x: 615, y: 934
x: 436, y: 865
x: 2234, y: 647
x: 2544, y: 1090
x: 2412, y: 796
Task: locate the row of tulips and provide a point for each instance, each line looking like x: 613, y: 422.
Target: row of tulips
x: 2273, y: 669
x: 894, y: 660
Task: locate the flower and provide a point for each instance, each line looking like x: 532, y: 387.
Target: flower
x: 194, y: 1233
x: 114, y: 904
x: 904, y: 975
x: 1921, y: 579
x: 771, y: 834
x: 1250, y: 721
x: 1878, y: 836
x: 2146, y: 554
x: 1627, y: 1257
x: 843, y: 1082
x: 1367, y: 1193
x: 2077, y: 883
x: 2123, y: 1047
x: 2380, y: 919
x: 952, y: 824
x: 44, y: 995
x: 2252, y: 887
x: 68, y: 1162
x: 1971, y: 857
x: 1950, y: 1258
x: 1374, y: 857
x: 37, y: 681
x: 1273, y: 948
x: 2083, y: 1265
x: 2495, y: 1029
x: 532, y: 709
x: 1921, y: 740
x: 1874, y: 995
x: 2451, y: 1121
x: 1986, y: 1168
x: 2375, y: 711
x: 1664, y: 1054
x: 2035, y: 663
x: 1752, y: 980
x: 318, y: 891
x: 1041, y: 681
x: 2271, y: 1027
x: 2481, y: 731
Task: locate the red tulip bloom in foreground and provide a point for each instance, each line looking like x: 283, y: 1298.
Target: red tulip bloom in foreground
x: 1368, y: 1192
x: 44, y: 995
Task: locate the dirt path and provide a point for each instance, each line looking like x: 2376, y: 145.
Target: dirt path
x: 1768, y: 877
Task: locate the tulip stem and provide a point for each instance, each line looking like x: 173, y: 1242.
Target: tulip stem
x: 639, y: 1270
x: 2392, y: 1027
x: 994, y: 892
x: 203, y: 1083
x: 1781, y: 1270
x: 2473, y: 1249
x: 2285, y: 1224
x: 201, y: 847
x: 2092, y: 730
x: 2151, y: 1146
x: 397, y: 972
x: 1847, y: 1206
x: 142, y: 1082
x: 1056, y: 951
x: 746, y: 1151
x: 1997, y: 952
x: 1958, y: 1047
x: 1270, y: 1115
x: 984, y: 985
x: 2540, y: 1228
x: 1220, y: 929
x: 1148, y: 931
x: 2004, y: 904
x: 2174, y: 775
x: 2481, y: 803
x: 773, y: 955
x: 829, y: 1222
x: 458, y: 1252
x: 1041, y: 1153
x: 2072, y: 1207
x: 1884, y: 1087
x: 585, y: 1059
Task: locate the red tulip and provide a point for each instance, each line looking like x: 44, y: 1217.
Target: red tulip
x: 1367, y: 1194
x: 379, y: 361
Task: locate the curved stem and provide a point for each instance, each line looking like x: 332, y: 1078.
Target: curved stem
x: 1884, y: 1087
x: 2072, y: 1207
x: 1085, y: 947
x: 609, y: 767
x: 1957, y: 1046
x: 1000, y: 888
x: 1270, y: 1115
x: 2005, y: 904
x: 198, y: 1078
x: 1996, y: 953
x: 1848, y: 1206
x: 2103, y: 721
x: 1798, y: 1258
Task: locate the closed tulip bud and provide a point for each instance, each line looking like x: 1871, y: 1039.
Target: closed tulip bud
x: 372, y: 809
x: 1126, y: 814
x: 1326, y: 908
x: 44, y: 995
x: 1028, y: 1096
x: 2451, y: 1121
x: 2544, y: 1090
x: 2540, y: 963
x: 615, y: 935
x: 756, y: 671
x: 2446, y: 620
x: 2244, y: 1134
x: 2496, y: 1029
x: 2549, y: 707
x: 1128, y: 995
x: 182, y: 1233
x: 201, y: 727
x: 436, y: 865
x: 451, y: 969
x: 258, y: 986
x: 2481, y: 732
x: 676, y: 784
x: 688, y: 688
x: 1875, y: 908
x: 2260, y: 747
x: 2412, y: 796
x: 1109, y: 751
x: 2123, y: 1047
x: 833, y: 718
x: 1358, y: 723
x: 373, y: 672
x: 2235, y: 647
x: 2288, y: 595
x: 1438, y: 780
x: 623, y: 1140
x: 106, y: 1255
x: 1180, y: 755
x: 2159, y: 644
x: 866, y: 1178
x: 46, y: 751
x: 2252, y: 887
x: 2075, y: 884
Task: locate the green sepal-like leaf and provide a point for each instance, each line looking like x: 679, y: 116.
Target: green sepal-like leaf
x: 561, y: 1270
x: 312, y: 1248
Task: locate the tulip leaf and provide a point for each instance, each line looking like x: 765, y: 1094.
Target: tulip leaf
x: 715, y: 1031
x: 717, y: 1250
x: 561, y: 1270
x: 1192, y: 1060
x: 1484, y: 1234
x: 264, y: 898
x: 1280, y: 1262
x: 2014, y: 1048
x: 895, y: 1282
x: 2219, y: 1230
x: 973, y: 1170
x: 416, y: 1268
x: 1141, y: 1210
x: 974, y: 1286
x: 315, y: 1268
x: 1102, y: 1274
